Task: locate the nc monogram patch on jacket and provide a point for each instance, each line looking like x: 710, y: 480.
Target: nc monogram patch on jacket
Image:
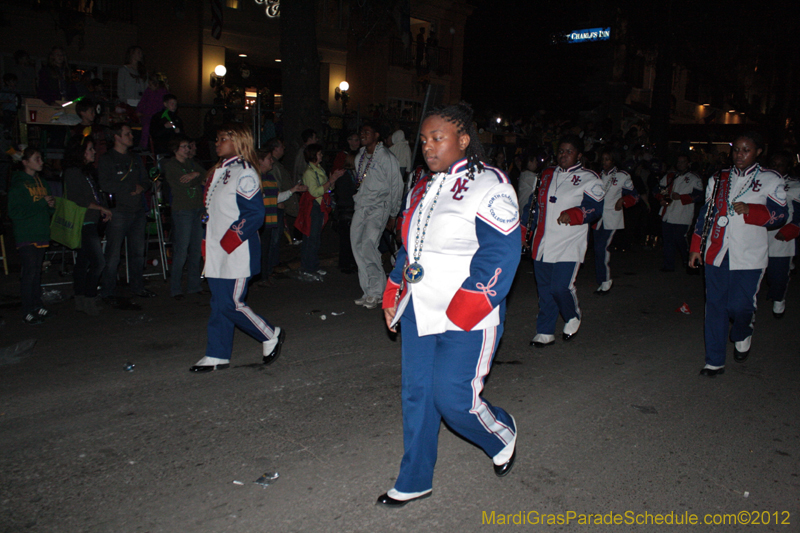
x: 458, y: 187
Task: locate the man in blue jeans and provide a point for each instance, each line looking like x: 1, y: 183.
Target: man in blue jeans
x: 122, y: 175
x: 185, y: 177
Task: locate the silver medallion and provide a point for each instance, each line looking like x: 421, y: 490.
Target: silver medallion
x: 413, y: 273
x: 722, y: 221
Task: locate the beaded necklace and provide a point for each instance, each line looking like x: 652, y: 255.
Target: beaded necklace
x: 191, y: 190
x: 414, y: 272
x: 359, y: 174
x: 554, y: 198
x: 723, y: 220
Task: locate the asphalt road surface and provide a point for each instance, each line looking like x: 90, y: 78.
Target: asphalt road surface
x: 615, y: 423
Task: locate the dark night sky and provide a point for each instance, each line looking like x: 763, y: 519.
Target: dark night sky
x: 509, y: 63
x: 510, y: 66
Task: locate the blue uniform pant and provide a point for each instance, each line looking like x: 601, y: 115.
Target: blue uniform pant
x: 228, y: 311
x: 556, y: 285
x: 778, y: 277
x: 730, y: 296
x: 674, y: 239
x: 443, y: 378
x: 602, y: 257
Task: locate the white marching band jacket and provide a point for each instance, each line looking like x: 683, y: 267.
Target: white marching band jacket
x: 616, y: 184
x: 790, y: 231
x: 469, y: 249
x: 690, y: 187
x: 235, y: 210
x: 742, y: 237
x: 576, y: 191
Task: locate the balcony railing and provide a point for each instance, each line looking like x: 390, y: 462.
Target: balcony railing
x: 435, y: 59
x: 100, y: 10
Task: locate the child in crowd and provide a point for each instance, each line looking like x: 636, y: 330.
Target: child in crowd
x: 165, y: 125
x: 30, y: 205
x: 89, y: 129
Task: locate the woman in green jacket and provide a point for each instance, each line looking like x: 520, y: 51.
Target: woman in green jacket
x: 30, y: 205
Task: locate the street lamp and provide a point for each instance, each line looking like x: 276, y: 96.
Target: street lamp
x: 340, y: 93
x: 218, y: 76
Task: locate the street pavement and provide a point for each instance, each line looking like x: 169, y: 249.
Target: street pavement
x: 615, y: 423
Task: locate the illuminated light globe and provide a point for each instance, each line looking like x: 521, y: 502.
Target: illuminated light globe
x: 220, y: 70
x: 344, y: 86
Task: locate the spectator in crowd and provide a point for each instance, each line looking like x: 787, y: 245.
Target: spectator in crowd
x: 420, y: 56
x: 132, y: 77
x: 122, y: 174
x: 88, y: 128
x: 165, y: 125
x: 152, y: 103
x: 353, y: 144
x: 379, y: 196
x: 346, y: 188
x: 308, y: 137
x: 432, y: 50
x: 30, y: 205
x: 232, y: 251
x: 26, y: 74
x: 288, y: 208
x: 55, y: 80
x: 315, y: 208
x: 9, y: 96
x: 272, y: 229
x: 96, y: 93
x: 401, y: 151
x: 500, y: 160
x: 267, y: 127
x: 185, y: 178
x: 80, y: 187
x: 528, y: 178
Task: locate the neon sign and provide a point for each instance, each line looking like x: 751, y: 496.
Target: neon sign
x: 273, y: 7
x: 585, y: 36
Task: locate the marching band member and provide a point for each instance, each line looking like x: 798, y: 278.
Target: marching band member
x: 235, y: 209
x: 619, y: 193
x: 461, y: 247
x: 570, y: 198
x: 782, y: 241
x: 730, y: 237
x: 681, y: 190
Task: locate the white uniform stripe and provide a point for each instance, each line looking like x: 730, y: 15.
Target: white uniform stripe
x: 479, y: 407
x: 573, y: 291
x: 243, y: 308
x: 755, y: 294
x: 608, y: 254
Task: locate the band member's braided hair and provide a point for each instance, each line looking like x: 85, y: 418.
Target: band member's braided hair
x: 461, y: 115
